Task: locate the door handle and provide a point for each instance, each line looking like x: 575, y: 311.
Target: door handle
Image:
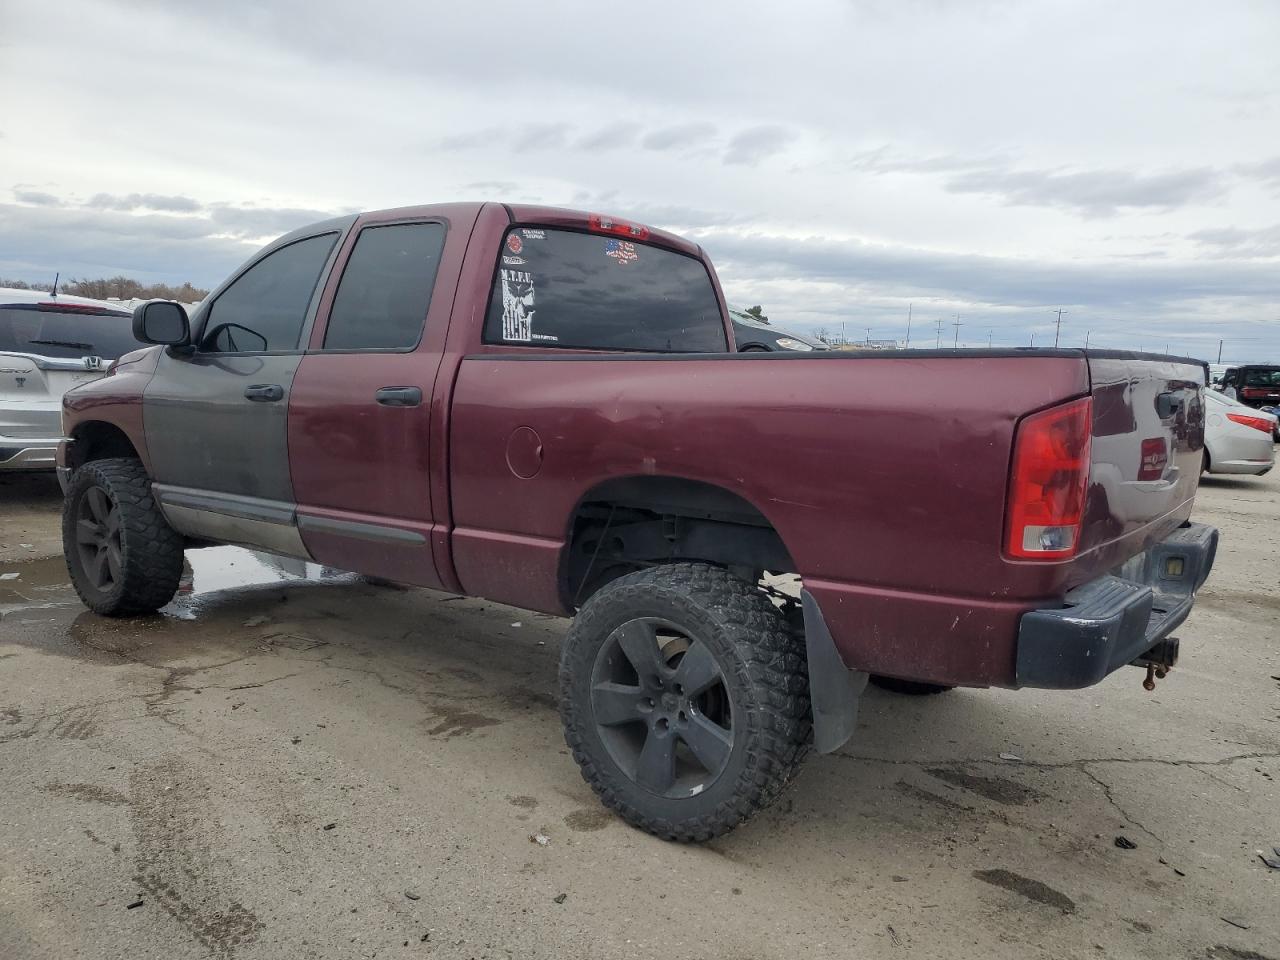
x: 264, y: 392
x: 399, y: 396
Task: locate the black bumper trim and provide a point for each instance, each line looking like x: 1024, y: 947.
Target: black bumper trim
x: 1115, y: 619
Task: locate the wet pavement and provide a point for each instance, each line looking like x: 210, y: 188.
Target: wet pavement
x: 292, y: 762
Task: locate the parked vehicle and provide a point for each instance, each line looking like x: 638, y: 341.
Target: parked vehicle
x: 543, y: 407
x: 1237, y: 438
x: 750, y: 335
x: 48, y: 345
x: 1275, y: 412
x: 1254, y: 385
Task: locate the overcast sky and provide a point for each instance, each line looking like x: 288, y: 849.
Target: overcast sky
x: 839, y: 161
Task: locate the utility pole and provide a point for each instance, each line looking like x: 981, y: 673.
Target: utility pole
x: 957, y: 325
x: 1086, y: 339
x: 1219, y: 351
x: 1058, y: 329
x: 938, y: 344
x: 988, y: 339
x: 907, y: 345
x: 843, y: 341
x: 868, y: 329
x: 1033, y: 339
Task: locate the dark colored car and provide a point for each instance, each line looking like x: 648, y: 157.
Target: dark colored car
x: 545, y: 408
x: 750, y: 334
x: 1255, y: 385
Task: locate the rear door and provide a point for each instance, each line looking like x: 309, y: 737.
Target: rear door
x: 361, y: 413
x: 216, y: 421
x: 1148, y: 449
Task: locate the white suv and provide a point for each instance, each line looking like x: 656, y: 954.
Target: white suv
x: 48, y: 345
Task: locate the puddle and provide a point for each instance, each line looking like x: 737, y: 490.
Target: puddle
x: 38, y: 584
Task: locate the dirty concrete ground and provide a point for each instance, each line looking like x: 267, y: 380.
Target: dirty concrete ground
x: 289, y: 765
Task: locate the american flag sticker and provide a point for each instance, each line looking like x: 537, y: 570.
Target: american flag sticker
x: 623, y: 251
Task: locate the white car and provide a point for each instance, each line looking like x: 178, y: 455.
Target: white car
x: 48, y: 345
x: 1237, y: 439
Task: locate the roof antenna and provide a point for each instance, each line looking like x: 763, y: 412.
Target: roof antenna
x: 53, y: 295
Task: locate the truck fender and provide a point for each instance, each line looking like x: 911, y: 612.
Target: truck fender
x: 834, y: 690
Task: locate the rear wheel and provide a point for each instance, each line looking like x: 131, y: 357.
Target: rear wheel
x: 914, y: 688
x: 684, y: 699
x: 123, y: 556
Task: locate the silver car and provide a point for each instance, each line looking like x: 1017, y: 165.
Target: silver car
x: 48, y: 345
x: 1237, y: 439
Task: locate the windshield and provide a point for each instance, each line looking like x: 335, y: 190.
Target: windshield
x: 49, y: 332
x: 1262, y: 377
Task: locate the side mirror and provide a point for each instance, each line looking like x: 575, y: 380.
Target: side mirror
x: 161, y: 321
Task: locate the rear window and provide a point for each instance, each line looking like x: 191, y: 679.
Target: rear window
x: 558, y: 288
x: 1267, y: 377
x: 49, y: 332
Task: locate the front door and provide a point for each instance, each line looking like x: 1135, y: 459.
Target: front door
x: 360, y: 435
x: 217, y: 419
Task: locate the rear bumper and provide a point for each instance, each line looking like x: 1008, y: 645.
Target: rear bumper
x: 27, y: 454
x: 1115, y: 619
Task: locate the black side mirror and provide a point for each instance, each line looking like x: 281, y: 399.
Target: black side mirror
x: 161, y: 321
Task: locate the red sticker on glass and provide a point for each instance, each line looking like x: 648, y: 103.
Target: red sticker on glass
x: 514, y: 243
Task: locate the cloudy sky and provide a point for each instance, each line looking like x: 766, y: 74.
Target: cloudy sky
x: 840, y: 161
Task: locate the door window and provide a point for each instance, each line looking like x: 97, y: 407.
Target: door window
x: 382, y: 299
x: 265, y: 307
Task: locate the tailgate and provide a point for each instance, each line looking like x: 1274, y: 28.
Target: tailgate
x: 31, y: 390
x: 1148, y: 448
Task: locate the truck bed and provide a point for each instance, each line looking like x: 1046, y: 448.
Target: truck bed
x: 884, y: 474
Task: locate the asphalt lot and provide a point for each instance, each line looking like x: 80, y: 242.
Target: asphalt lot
x: 288, y: 765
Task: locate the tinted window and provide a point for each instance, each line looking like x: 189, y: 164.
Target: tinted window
x: 264, y: 309
x: 385, y: 289
x: 563, y: 289
x: 48, y: 332
x: 1262, y: 377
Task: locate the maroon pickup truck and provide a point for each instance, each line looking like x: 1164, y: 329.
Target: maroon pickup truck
x: 543, y: 408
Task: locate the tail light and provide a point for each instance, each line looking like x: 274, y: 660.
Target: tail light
x: 1258, y: 423
x: 1048, y: 480
x: 1253, y: 393
x: 600, y: 223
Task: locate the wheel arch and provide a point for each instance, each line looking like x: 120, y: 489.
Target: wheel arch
x: 627, y: 523
x: 98, y: 440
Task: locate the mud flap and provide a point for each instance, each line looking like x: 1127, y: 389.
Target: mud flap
x: 834, y: 690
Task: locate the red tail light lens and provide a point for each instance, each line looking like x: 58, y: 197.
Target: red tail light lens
x: 1258, y: 423
x: 1252, y: 393
x: 1048, y: 481
x: 601, y: 223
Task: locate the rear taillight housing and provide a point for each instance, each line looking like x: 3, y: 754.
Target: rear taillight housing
x: 1258, y: 423
x: 1252, y: 393
x: 1047, y: 482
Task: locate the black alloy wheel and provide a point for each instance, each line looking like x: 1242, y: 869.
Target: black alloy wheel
x: 662, y: 708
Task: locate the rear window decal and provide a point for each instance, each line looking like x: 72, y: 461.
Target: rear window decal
x: 517, y: 305
x: 534, y: 234
x: 622, y: 251
x: 514, y: 261
x: 514, y: 243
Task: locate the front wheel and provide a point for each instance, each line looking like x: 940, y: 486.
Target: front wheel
x: 123, y: 556
x: 684, y: 698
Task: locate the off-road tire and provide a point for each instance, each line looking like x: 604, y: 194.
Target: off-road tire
x: 764, y: 671
x: 150, y: 550
x: 915, y: 688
